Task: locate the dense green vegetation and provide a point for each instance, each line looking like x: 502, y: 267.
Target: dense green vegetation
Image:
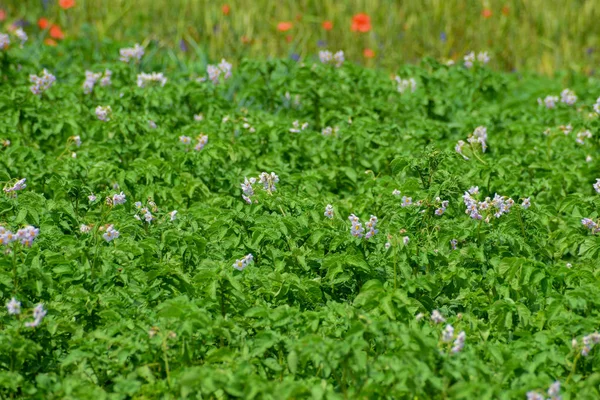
x: 161, y: 309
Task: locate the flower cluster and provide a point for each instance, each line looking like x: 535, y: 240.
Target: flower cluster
x: 38, y: 315
x: 42, y: 82
x: 296, y: 127
x: 144, y: 79
x: 329, y: 211
x: 405, y: 84
x: 215, y: 72
x: 76, y: 140
x: 173, y: 215
x: 85, y: 228
x: 25, y: 235
x: 117, y: 198
x: 326, y: 57
x: 482, y: 57
x: 91, y: 78
x: 581, y: 136
x: 244, y: 262
x: 592, y: 225
x: 548, y: 101
x: 20, y: 33
x: 131, y: 53
x: 268, y: 181
x: 459, y: 340
x: 453, y: 244
x: 553, y: 392
x: 202, y: 140
x: 198, y: 117
x: 566, y: 129
x: 144, y: 212
x: 437, y: 317
x: 443, y: 204
x: 479, y: 135
x: 246, y: 125
x: 11, y: 191
x: 110, y: 234
x: 588, y: 343
x: 13, y: 307
x: 328, y: 131
x: 568, y: 97
x: 597, y: 106
x: 4, y: 41
x: 497, y: 206
x: 357, y: 229
x: 103, y: 113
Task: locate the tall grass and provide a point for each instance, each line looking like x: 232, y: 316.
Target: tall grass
x: 536, y: 35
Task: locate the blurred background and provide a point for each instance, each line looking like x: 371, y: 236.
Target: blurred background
x: 544, y: 36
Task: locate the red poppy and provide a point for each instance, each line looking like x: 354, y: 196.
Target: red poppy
x: 505, y: 10
x: 225, y: 9
x: 66, y: 4
x: 487, y: 13
x: 327, y: 25
x: 284, y: 26
x: 43, y: 23
x: 56, y: 32
x: 368, y: 53
x: 2, y: 15
x: 50, y: 42
x: 361, y: 23
x: 288, y: 38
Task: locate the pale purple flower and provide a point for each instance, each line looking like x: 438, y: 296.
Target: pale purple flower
x: 4, y: 41
x: 405, y: 84
x: 110, y: 234
x: 469, y: 60
x: 144, y: 79
x: 243, y: 263
x: 202, y: 140
x: 459, y: 343
x: 437, y: 317
x: 568, y: 97
x: 42, y: 82
x: 448, y: 334
x: 13, y: 307
x: 118, y: 198
x: 38, y: 315
x: 103, y: 113
x: 131, y: 53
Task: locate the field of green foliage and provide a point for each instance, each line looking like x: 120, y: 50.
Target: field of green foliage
x: 282, y: 230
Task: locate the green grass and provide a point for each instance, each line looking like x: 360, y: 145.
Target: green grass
x: 534, y: 35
